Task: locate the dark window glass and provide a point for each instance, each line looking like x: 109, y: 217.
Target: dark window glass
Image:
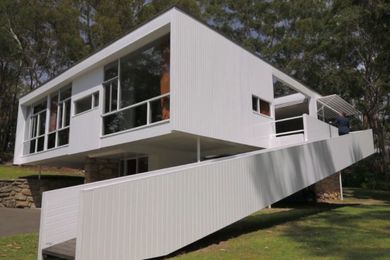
x: 142, y: 164
x: 32, y: 146
x: 65, y: 92
x: 41, y: 144
x: 53, y: 113
x: 159, y: 109
x: 254, y: 104
x: 33, y: 126
x: 40, y: 106
x: 63, y: 137
x: 127, y: 119
x: 145, y: 73
x: 83, y: 104
x: 107, y: 88
x: 110, y: 96
x: 96, y: 99
x: 265, y: 108
x: 114, y: 95
x: 67, y: 113
x: 61, y: 110
x: 111, y: 71
x: 42, y: 123
x: 51, y: 142
x: 131, y: 167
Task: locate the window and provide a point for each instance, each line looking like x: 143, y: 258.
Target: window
x: 37, y: 127
x: 261, y: 106
x: 135, y: 165
x: 59, y: 119
x: 136, y: 88
x: 87, y: 103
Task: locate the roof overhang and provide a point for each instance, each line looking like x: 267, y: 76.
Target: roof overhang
x: 336, y: 105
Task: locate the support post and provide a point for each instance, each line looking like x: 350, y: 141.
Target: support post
x: 341, y: 187
x: 198, y: 149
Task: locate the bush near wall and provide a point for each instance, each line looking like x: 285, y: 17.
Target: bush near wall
x: 362, y: 175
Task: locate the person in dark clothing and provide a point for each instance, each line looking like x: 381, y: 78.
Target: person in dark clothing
x: 343, y: 124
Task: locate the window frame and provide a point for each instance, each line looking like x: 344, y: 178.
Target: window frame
x: 117, y: 107
x: 258, y: 106
x: 93, y: 105
x: 34, y: 126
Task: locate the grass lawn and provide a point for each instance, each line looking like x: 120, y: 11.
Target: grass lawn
x: 15, y: 172
x: 357, y: 228
x: 20, y: 247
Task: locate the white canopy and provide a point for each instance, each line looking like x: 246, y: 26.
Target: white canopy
x: 333, y: 105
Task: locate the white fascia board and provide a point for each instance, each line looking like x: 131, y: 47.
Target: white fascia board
x: 147, y: 32
x: 294, y: 84
x: 289, y: 100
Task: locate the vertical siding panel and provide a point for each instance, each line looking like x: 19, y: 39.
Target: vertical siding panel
x: 173, y: 208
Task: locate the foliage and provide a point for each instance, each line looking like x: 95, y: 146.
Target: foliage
x: 338, y: 46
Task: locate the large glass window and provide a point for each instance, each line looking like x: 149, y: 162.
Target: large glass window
x: 37, y: 127
x: 59, y: 119
x: 136, y: 88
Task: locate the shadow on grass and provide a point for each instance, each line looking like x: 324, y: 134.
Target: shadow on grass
x: 367, y: 194
x: 258, y: 221
x: 360, y: 232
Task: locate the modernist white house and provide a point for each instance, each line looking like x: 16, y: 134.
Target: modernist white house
x: 193, y: 131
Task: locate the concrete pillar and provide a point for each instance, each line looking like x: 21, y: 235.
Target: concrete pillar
x: 329, y: 188
x: 100, y: 169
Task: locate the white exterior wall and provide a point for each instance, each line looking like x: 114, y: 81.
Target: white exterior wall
x: 212, y: 83
x: 214, y: 80
x: 86, y: 78
x: 154, y: 214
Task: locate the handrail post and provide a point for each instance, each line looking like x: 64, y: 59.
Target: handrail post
x: 148, y: 113
x: 305, y: 127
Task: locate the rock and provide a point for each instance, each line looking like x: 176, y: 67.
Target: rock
x: 21, y: 204
x: 26, y: 192
x: 6, y: 189
x: 5, y: 194
x: 10, y: 204
x: 30, y: 199
x: 20, y: 196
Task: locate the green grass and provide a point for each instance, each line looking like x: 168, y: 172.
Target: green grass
x: 20, y: 247
x: 357, y: 228
x: 15, y: 172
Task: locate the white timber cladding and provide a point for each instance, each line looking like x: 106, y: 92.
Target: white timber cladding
x: 212, y: 84
x: 214, y: 80
x: 154, y: 214
x: 86, y: 78
x: 201, y: 185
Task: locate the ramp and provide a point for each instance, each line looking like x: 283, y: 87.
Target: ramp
x: 156, y: 213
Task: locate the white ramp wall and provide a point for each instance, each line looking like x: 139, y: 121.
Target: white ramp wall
x: 152, y: 215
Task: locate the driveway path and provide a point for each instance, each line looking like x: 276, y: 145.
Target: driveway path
x: 18, y: 221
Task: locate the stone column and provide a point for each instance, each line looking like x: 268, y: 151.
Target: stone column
x: 329, y: 188
x: 100, y: 169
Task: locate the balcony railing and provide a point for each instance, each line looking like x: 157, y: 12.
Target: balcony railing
x: 147, y: 112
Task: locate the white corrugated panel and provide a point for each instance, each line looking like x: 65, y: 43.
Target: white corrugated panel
x: 213, y: 80
x: 155, y: 214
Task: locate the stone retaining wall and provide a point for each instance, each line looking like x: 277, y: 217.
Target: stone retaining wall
x: 27, y: 193
x: 328, y: 188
